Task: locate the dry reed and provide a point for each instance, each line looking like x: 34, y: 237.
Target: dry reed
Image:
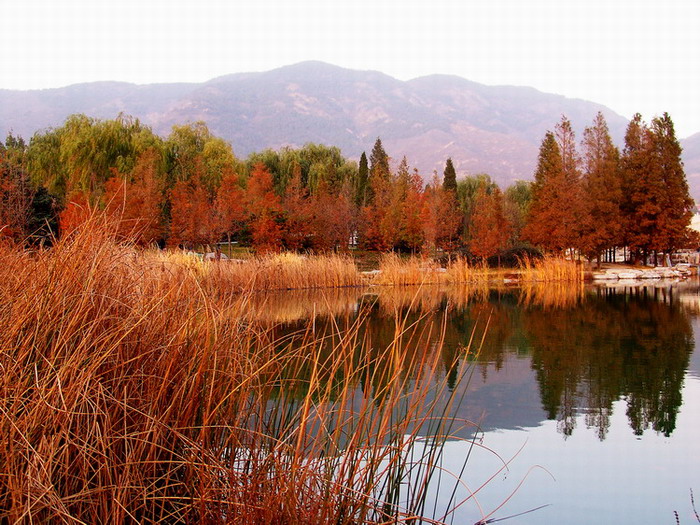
x: 550, y: 269
x: 134, y: 390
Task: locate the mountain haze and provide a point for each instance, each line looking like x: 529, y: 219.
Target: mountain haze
x: 491, y: 129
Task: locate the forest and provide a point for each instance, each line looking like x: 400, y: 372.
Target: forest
x: 190, y: 190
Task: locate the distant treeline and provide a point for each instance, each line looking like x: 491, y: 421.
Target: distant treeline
x: 189, y: 189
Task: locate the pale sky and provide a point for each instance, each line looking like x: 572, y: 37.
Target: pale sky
x: 631, y: 55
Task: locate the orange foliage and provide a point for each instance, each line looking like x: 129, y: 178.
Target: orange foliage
x: 263, y: 207
x: 229, y: 203
x: 135, y: 201
x: 193, y: 220
x: 491, y: 229
x: 77, y: 212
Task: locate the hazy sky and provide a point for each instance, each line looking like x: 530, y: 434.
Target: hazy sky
x: 631, y: 55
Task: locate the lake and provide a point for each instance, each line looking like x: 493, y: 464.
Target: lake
x: 591, y: 395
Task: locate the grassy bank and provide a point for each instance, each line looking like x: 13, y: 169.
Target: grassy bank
x: 134, y: 388
x: 397, y: 271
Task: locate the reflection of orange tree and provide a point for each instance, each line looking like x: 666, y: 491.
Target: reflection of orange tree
x: 607, y: 348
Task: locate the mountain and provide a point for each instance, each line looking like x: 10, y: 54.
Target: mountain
x: 491, y: 129
x: 691, y: 159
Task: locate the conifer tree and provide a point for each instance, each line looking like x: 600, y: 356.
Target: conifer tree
x: 379, y: 172
x: 449, y: 179
x: 601, y: 191
x: 362, y: 179
x: 548, y: 224
x: 643, y: 189
x: 676, y: 206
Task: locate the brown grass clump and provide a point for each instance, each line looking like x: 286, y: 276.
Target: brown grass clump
x: 134, y: 390
x: 398, y: 271
x: 550, y: 269
x: 285, y: 271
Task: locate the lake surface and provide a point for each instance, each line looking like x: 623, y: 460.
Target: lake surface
x: 591, y: 394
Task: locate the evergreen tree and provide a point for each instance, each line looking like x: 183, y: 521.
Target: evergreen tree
x: 362, y: 179
x: 379, y: 172
x: 449, y: 179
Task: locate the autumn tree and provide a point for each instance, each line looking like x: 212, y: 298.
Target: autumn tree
x: 77, y: 211
x: 15, y: 191
x: 570, y: 165
x: 298, y: 213
x: 549, y: 222
x: 467, y: 189
x: 263, y: 209
x: 412, y: 231
x: 643, y: 188
x: 193, y: 218
x: 134, y: 200
x: 229, y: 204
x: 601, y: 217
x: 677, y: 205
x: 491, y: 229
x: 331, y: 217
x: 440, y: 216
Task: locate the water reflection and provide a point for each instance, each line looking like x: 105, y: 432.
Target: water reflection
x: 545, y: 352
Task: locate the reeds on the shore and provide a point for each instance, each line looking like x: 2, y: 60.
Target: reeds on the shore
x: 134, y: 390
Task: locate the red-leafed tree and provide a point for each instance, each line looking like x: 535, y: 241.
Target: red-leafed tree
x: 412, y: 229
x: 135, y: 200
x: 601, y: 217
x: 490, y: 227
x: 193, y: 219
x: 297, y: 204
x: 263, y: 210
x: 332, y: 217
x: 550, y: 219
x: 229, y: 204
x: 441, y: 217
x: 76, y: 213
x: 15, y: 200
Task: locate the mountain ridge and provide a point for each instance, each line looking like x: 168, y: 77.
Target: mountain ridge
x: 491, y: 129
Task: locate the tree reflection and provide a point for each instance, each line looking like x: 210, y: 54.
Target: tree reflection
x: 587, y: 349
x: 613, y: 346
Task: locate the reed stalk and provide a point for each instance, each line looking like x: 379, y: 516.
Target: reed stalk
x: 135, y: 388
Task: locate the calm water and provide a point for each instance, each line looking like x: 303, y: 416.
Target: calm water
x: 593, y: 394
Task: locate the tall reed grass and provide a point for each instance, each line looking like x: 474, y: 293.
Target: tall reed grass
x: 134, y: 390
x: 285, y: 271
x: 550, y: 269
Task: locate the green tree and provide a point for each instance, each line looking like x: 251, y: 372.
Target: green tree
x: 449, y: 178
x: 362, y: 179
